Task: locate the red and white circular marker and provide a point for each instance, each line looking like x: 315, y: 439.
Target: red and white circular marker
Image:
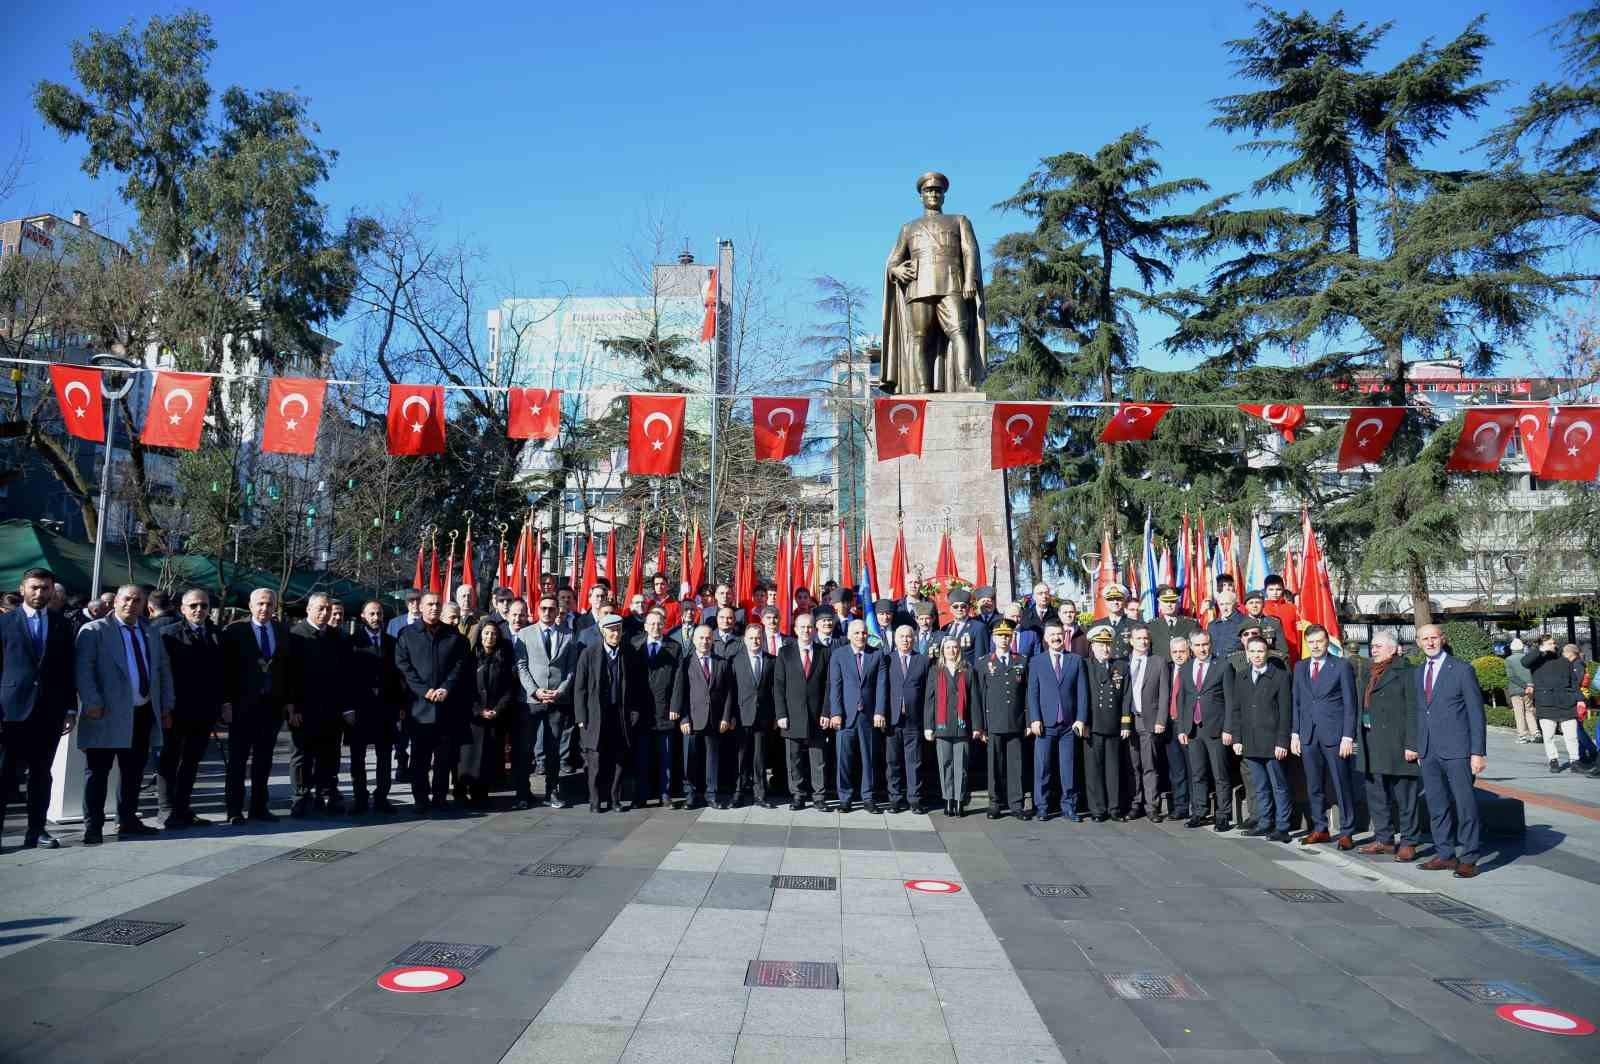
x: 1544, y: 1018
x: 933, y: 886
x: 420, y: 980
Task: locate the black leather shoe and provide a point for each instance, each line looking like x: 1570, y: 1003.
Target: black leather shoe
x: 796, y: 804
x: 1101, y: 818
x: 382, y: 805
x: 1193, y: 822
x: 93, y: 836
x: 1026, y: 814
x: 594, y: 807
x: 724, y: 805
x: 562, y: 803
x: 199, y: 821
x: 237, y: 821
x: 137, y: 827
x: 40, y: 841
x: 874, y: 807
x: 1220, y: 826
x: 994, y: 814
x: 845, y: 807
x: 949, y: 809
x: 1156, y: 818
x: 265, y: 816
x: 1046, y: 817
x: 768, y: 803
x: 1121, y: 818
x: 1249, y: 824
x: 300, y: 809
x: 1279, y: 836
x: 961, y: 810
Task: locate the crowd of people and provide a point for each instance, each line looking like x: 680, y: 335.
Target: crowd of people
x: 833, y: 706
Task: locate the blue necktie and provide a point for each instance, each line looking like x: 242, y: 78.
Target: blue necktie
x: 38, y: 634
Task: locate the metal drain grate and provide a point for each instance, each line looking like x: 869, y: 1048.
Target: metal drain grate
x: 449, y: 954
x: 1305, y: 895
x: 117, y: 932
x: 1151, y: 986
x: 805, y: 883
x: 1492, y: 991
x: 1447, y: 908
x: 793, y: 975
x: 317, y: 856
x: 1057, y: 890
x: 555, y: 871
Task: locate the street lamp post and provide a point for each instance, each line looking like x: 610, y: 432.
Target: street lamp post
x: 116, y: 364
x: 1514, y: 562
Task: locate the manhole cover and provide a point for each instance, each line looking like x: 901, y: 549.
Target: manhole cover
x: 1304, y: 895
x: 1492, y: 991
x: 793, y: 975
x: 317, y: 856
x: 122, y: 932
x: 448, y: 954
x: 1057, y: 890
x: 805, y: 882
x: 555, y: 871
x: 1151, y: 986
x: 1447, y: 908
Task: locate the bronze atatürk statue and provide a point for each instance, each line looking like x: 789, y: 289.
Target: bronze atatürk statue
x: 933, y: 317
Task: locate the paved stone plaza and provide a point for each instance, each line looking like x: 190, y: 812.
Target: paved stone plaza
x: 1081, y: 942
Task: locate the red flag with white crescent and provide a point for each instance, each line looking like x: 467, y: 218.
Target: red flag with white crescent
x: 1484, y: 436
x: 1134, y: 421
x: 533, y: 414
x: 294, y: 410
x: 1367, y: 434
x: 82, y: 410
x: 1016, y: 435
x: 1282, y: 416
x: 1533, y: 429
x: 898, y: 426
x: 177, y: 410
x: 1574, y: 449
x: 416, y: 419
x: 655, y: 435
x: 780, y: 426
x: 708, y: 323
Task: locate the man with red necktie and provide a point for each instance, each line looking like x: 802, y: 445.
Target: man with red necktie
x: 1325, y: 718
x: 800, y: 698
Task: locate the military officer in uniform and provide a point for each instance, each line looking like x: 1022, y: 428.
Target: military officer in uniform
x: 1239, y: 658
x: 971, y: 635
x: 1121, y: 626
x: 933, y: 317
x: 1002, y: 686
x: 1169, y: 624
x: 1271, y: 627
x: 1109, y: 723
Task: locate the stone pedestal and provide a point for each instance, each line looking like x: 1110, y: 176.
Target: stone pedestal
x: 950, y: 486
x: 66, y: 789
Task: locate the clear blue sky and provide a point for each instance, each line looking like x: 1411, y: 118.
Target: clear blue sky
x: 543, y: 132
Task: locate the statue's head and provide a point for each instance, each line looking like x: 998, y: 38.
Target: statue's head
x: 932, y: 186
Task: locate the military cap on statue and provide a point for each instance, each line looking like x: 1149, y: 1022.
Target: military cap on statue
x: 1003, y: 628
x: 1102, y: 633
x: 933, y: 177
x: 1254, y: 594
x: 960, y: 596
x: 1115, y: 593
x: 1167, y: 593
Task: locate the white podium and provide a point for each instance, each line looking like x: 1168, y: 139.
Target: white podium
x: 66, y: 787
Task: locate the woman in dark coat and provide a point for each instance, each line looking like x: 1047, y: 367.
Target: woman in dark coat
x: 1557, y: 692
x: 947, y: 716
x: 1386, y: 688
x: 496, y: 684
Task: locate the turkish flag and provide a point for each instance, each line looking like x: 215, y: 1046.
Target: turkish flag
x: 1367, y: 434
x: 708, y: 323
x: 294, y: 410
x: 655, y: 435
x: 82, y: 410
x: 898, y: 425
x: 1016, y: 435
x: 534, y: 414
x: 1134, y: 421
x: 780, y: 426
x: 416, y: 419
x: 1533, y: 429
x: 177, y: 410
x: 1484, y: 436
x: 1281, y: 416
x: 1574, y: 447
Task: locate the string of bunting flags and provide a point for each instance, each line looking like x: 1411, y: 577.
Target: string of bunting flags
x: 1561, y: 441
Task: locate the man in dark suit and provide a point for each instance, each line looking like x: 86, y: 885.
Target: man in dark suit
x: 800, y: 699
x: 908, y: 680
x: 1148, y: 694
x: 1075, y: 637
x: 257, y: 692
x: 1038, y: 611
x: 604, y: 707
x: 753, y: 678
x: 972, y: 635
x: 37, y: 692
x: 376, y: 702
x: 858, y: 694
x: 194, y: 649
x: 1002, y: 689
x: 1388, y: 693
x: 1202, y: 714
x: 1058, y: 714
x: 1174, y: 756
x: 1324, y: 735
x: 1258, y: 730
x: 321, y: 684
x: 1450, y: 749
x: 708, y: 709
x: 656, y: 660
x: 436, y: 666
x: 725, y: 641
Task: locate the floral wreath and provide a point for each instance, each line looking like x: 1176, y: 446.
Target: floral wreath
x: 929, y: 589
